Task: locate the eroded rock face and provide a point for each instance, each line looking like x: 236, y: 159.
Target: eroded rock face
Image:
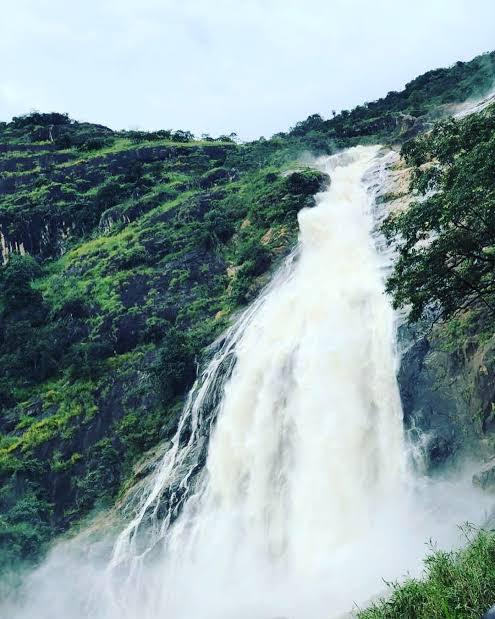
x: 427, y: 411
x: 447, y: 399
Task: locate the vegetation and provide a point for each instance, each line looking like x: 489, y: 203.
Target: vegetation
x: 456, y: 585
x: 137, y: 257
x: 403, y: 113
x: 445, y: 270
x: 126, y: 253
x: 447, y: 236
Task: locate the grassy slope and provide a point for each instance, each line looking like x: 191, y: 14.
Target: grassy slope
x: 145, y: 245
x: 151, y: 247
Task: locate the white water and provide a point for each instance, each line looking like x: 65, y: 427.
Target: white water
x: 307, y: 500
x: 473, y: 107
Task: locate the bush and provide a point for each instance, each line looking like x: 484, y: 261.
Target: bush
x: 457, y: 585
x: 307, y: 182
x: 175, y: 369
x: 23, y: 528
x: 93, y: 144
x: 254, y: 257
x: 214, y: 177
x: 15, y: 282
x: 40, y: 119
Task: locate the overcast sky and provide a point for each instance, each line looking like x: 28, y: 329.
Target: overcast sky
x: 215, y: 66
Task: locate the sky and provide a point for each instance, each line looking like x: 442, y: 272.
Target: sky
x: 254, y: 67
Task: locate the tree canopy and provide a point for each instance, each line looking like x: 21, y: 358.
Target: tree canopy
x: 446, y: 238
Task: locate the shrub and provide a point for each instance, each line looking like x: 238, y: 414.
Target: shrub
x: 174, y: 370
x: 457, y: 585
x: 15, y: 282
x: 254, y: 257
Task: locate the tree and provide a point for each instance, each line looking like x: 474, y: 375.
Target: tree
x: 446, y: 238
x: 16, y: 278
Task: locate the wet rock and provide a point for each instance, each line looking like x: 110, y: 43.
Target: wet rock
x: 485, y: 479
x: 447, y: 395
x: 428, y: 408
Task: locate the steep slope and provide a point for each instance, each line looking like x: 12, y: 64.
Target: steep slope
x: 126, y: 254
x: 130, y: 260
x: 445, y: 274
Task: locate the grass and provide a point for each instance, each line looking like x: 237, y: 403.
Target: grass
x: 107, y: 304
x: 456, y: 585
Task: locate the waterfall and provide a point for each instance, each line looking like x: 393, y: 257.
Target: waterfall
x: 308, y: 443
x: 287, y: 490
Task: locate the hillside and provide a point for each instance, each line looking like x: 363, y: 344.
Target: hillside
x: 444, y: 274
x: 126, y: 257
x: 126, y: 254
x: 403, y: 114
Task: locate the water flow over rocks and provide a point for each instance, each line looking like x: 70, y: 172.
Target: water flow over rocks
x: 287, y: 490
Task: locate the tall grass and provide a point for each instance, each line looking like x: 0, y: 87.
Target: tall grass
x: 456, y: 585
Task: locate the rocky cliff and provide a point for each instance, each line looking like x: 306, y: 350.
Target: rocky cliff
x: 126, y: 254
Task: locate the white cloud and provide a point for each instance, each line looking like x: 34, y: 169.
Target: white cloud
x: 254, y: 66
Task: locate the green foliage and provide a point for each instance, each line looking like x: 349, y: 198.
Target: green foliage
x: 101, y: 478
x: 16, y: 278
x: 174, y: 369
x: 393, y: 116
x: 253, y: 256
x: 276, y: 199
x: 142, y: 245
x: 100, y: 332
x: 456, y: 585
x: 214, y: 177
x: 447, y: 238
x: 27, y: 348
x: 24, y: 527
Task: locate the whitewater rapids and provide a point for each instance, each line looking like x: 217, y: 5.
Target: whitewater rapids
x: 307, y: 500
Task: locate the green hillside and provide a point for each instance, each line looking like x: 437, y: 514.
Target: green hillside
x: 126, y: 254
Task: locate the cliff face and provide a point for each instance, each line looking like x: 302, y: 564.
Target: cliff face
x: 446, y: 366
x: 63, y: 189
x: 126, y: 254
x: 448, y: 395
x: 444, y: 273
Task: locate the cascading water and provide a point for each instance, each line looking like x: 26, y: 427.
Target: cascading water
x: 308, y: 442
x: 306, y: 500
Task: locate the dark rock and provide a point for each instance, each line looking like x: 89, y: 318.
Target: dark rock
x: 485, y: 478
x: 447, y: 395
x: 410, y: 373
x: 128, y: 332
x: 427, y: 408
x: 134, y: 291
